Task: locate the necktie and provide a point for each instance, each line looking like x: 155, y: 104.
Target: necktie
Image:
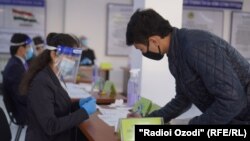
x: 26, y: 66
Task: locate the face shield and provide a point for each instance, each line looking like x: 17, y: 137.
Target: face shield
x: 26, y: 42
x: 67, y: 62
x: 29, y: 50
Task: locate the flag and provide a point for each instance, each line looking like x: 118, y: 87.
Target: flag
x: 23, y: 16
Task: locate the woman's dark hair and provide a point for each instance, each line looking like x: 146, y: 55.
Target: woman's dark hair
x: 44, y: 59
x: 18, y: 38
x: 146, y: 23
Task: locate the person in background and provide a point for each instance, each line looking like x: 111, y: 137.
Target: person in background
x: 209, y: 72
x: 20, y: 51
x: 52, y: 116
x: 88, y: 55
x: 39, y: 45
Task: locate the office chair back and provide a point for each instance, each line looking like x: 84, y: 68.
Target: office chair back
x: 4, y: 127
x: 9, y: 105
x: 1, y: 88
x: 11, y: 110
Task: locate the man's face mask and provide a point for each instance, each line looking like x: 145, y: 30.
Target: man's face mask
x: 29, y: 53
x: 153, y: 55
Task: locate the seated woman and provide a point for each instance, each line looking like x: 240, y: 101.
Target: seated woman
x: 52, y: 116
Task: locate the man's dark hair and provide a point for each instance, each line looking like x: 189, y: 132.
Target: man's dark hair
x: 38, y: 40
x: 18, y: 38
x: 146, y: 23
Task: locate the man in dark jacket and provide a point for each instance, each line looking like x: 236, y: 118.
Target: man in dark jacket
x: 208, y: 71
x: 13, y: 72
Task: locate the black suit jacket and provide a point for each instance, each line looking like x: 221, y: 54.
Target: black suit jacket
x: 12, y: 76
x: 4, y: 127
x: 52, y: 116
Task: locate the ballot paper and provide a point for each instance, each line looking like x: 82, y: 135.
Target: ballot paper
x: 75, y: 91
x: 85, y: 86
x: 112, y: 116
x: 118, y: 103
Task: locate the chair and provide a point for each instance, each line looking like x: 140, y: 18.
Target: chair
x: 1, y: 87
x: 10, y: 108
x: 4, y: 127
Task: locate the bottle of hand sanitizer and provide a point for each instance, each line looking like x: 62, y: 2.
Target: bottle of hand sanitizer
x: 132, y: 88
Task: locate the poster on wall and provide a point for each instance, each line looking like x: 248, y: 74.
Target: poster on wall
x: 224, y: 4
x: 23, y: 16
x: 240, y: 33
x: 204, y: 20
x: 118, y: 18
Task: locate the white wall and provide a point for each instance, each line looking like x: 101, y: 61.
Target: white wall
x: 227, y: 25
x: 88, y: 17
x: 54, y: 16
x: 246, y: 6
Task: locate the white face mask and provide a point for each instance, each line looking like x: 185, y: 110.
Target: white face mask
x: 66, y: 67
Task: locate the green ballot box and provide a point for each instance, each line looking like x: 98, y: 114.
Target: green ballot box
x: 126, y: 127
x: 109, y: 89
x: 145, y: 106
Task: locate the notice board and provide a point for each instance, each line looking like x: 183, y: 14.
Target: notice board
x: 23, y: 16
x: 118, y: 16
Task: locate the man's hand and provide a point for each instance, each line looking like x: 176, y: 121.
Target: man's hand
x: 134, y: 115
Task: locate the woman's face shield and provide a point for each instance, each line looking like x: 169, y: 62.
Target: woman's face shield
x: 67, y: 62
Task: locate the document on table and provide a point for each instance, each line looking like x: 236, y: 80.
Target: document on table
x: 76, y: 91
x: 112, y: 116
x: 86, y: 86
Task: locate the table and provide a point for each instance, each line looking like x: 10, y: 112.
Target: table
x: 104, y: 100
x: 97, y: 130
x: 94, y: 128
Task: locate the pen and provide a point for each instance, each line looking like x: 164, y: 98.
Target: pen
x: 138, y: 111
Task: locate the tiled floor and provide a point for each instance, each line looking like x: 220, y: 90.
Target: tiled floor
x: 13, y: 127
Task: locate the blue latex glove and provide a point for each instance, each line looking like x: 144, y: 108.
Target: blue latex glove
x: 90, y: 106
x: 84, y: 100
